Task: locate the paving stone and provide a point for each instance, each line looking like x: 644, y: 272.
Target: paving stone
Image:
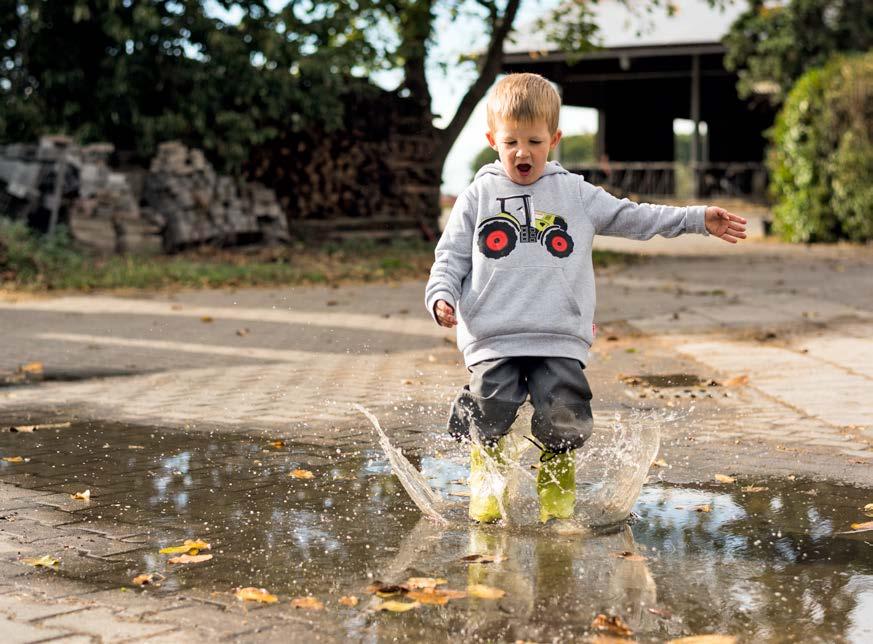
x: 104, y: 623
x: 22, y: 633
x: 24, y: 608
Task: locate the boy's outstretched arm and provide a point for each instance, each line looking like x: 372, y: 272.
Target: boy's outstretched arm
x: 725, y: 225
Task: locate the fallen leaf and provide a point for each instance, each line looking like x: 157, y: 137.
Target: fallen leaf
x: 206, y: 318
x: 660, y: 612
x: 481, y: 591
x: 149, y: 579
x: 302, y: 474
x: 348, y: 600
x: 189, y: 559
x: 737, y: 381
x: 416, y: 583
x: 82, y: 496
x: 628, y: 555
x: 386, y: 590
x: 15, y: 459
x: 611, y: 623
x: 27, y: 429
x: 868, y: 509
x: 867, y: 526
x: 483, y: 559
x: 397, y: 607
x: 706, y: 507
x: 705, y: 639
x: 436, y: 596
x: 278, y: 444
x: 191, y: 547
x: 46, y: 561
x: 407, y: 381
x: 754, y: 488
x: 242, y: 332
x: 723, y: 478
x: 256, y: 595
x: 33, y: 368
x: 309, y: 603
x: 659, y: 463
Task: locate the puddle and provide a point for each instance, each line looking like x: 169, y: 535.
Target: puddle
x: 763, y: 566
x: 662, y: 381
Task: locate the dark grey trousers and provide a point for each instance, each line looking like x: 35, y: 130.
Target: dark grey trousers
x: 559, y: 393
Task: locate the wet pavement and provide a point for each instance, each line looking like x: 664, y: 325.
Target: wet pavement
x: 760, y: 559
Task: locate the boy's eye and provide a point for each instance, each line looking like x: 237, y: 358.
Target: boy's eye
x: 535, y: 142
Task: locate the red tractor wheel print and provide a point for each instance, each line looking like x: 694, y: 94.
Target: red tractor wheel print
x: 558, y: 243
x: 497, y: 239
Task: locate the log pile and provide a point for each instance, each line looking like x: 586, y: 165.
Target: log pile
x: 194, y: 205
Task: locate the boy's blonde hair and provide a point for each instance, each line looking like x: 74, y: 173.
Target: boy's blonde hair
x: 523, y: 98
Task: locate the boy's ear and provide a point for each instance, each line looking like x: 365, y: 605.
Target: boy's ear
x: 491, y: 141
x: 556, y: 138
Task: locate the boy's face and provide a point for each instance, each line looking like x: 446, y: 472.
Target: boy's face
x: 523, y: 148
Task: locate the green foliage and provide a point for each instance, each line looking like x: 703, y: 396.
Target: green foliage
x: 821, y: 160
x: 772, y: 45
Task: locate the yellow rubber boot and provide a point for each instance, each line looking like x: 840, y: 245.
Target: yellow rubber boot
x: 487, y: 482
x: 556, y: 486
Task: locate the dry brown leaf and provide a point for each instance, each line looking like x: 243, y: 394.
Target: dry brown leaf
x: 660, y: 612
x: 309, y: 603
x: 612, y: 624
x: 737, y: 381
x: 483, y: 559
x: 386, y: 590
x: 191, y: 547
x: 481, y: 591
x: 302, y: 474
x: 705, y: 639
x: 189, y: 559
x: 724, y: 478
x: 436, y: 596
x: 82, y: 496
x: 628, y: 555
x: 206, y: 318
x: 862, y: 527
x: 243, y: 331
x: 407, y: 381
x: 15, y: 459
x: 416, y: 583
x: 149, y: 579
x: 705, y: 507
x: 868, y: 509
x: 33, y: 368
x: 46, y: 561
x: 348, y: 600
x: 660, y: 463
x: 277, y: 444
x: 252, y: 594
x: 396, y: 606
x: 754, y: 488
x: 27, y: 429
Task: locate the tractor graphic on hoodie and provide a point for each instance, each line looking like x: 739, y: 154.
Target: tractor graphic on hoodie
x: 498, y: 235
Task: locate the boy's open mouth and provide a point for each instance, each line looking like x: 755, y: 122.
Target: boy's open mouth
x: 524, y: 168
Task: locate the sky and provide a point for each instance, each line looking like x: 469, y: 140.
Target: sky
x: 696, y: 20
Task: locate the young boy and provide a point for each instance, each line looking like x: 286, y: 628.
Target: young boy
x: 513, y: 271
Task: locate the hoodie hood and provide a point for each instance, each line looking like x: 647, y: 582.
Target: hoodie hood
x: 496, y: 168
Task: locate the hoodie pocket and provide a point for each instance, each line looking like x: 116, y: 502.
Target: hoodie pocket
x: 527, y: 299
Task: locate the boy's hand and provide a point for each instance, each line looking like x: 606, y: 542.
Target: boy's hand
x: 725, y: 225
x: 445, y: 313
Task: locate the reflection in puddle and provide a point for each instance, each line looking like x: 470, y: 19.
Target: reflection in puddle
x: 765, y: 565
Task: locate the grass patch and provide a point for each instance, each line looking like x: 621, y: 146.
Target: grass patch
x: 34, y: 262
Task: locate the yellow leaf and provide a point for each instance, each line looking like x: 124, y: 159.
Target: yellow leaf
x: 414, y: 583
x: 705, y: 639
x: 186, y: 559
x: 309, y: 603
x: 149, y: 579
x: 723, y: 478
x: 206, y: 318
x: 396, y: 606
x: 754, y: 488
x: 659, y: 463
x: 436, y: 596
x: 302, y: 474
x: 46, y: 561
x: 706, y: 507
x: 737, y: 381
x: 191, y: 547
x: 862, y: 527
x: 13, y: 459
x: 481, y: 591
x: 82, y: 496
x: 628, y: 555
x: 868, y: 509
x: 256, y: 595
x: 348, y: 600
x: 611, y: 623
x: 278, y: 444
x: 34, y: 368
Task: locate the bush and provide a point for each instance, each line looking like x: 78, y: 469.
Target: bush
x: 29, y: 257
x: 821, y: 160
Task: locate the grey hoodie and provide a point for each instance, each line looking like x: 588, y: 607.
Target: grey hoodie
x: 515, y: 261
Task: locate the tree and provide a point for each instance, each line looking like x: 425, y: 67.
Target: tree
x: 771, y: 46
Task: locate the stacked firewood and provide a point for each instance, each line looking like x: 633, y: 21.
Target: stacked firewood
x: 195, y: 205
